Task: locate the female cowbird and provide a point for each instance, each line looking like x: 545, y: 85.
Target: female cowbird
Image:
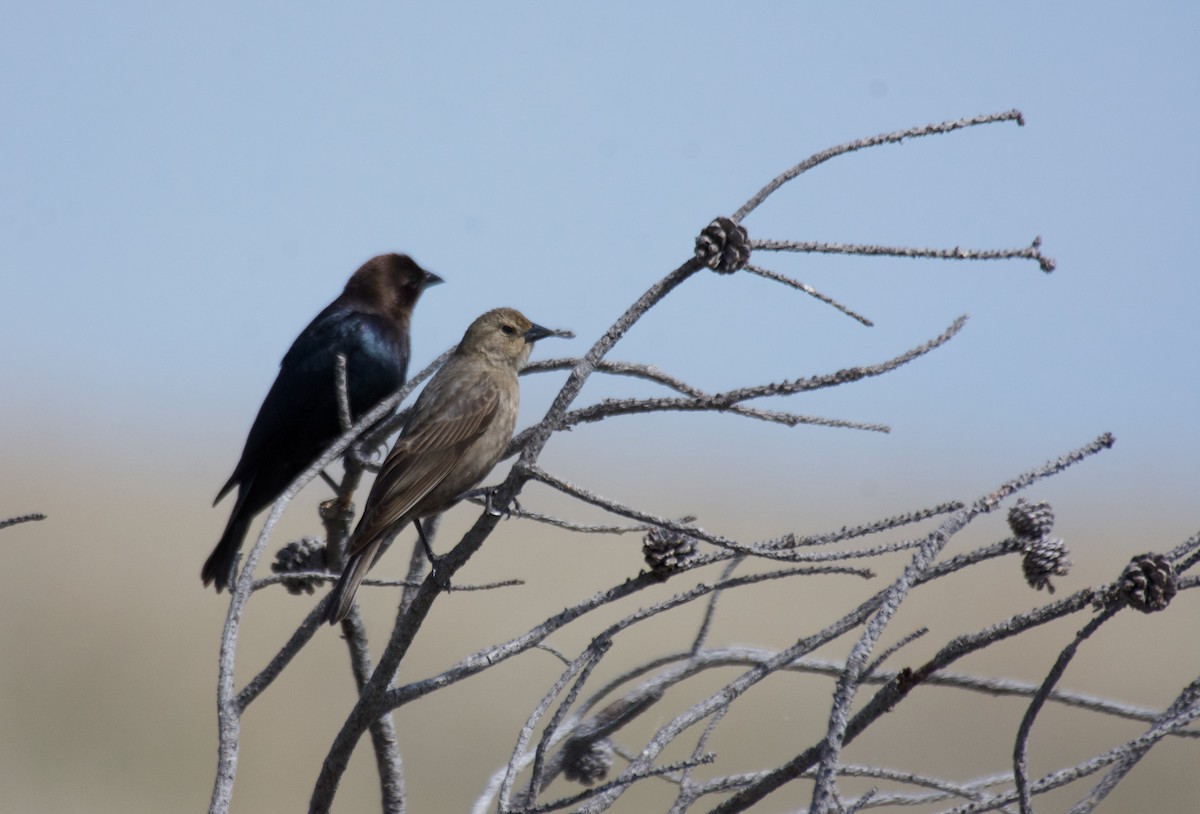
x: 459, y: 427
x: 298, y: 420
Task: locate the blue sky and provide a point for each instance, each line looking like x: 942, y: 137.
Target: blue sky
x: 183, y: 188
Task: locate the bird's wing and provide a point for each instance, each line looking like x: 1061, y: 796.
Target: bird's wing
x: 298, y: 417
x: 426, y: 452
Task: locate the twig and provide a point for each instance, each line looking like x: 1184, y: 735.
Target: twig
x: 873, y: 527
x: 1180, y: 553
x: 256, y: 685
x: 558, y: 522
x: 24, y: 518
x: 1020, y: 765
x: 1171, y: 721
x: 689, y: 664
x: 650, y: 373
x: 874, y: 666
x: 730, y: 398
x: 325, y: 576
x: 998, y: 687
x: 772, y: 549
x: 1184, y: 709
x: 710, y: 609
x: 383, y: 728
x: 872, y: 141
x: 943, y: 788
x: 610, y: 408
x: 683, y: 799
x: 342, y: 388
x: 1031, y: 252
x: 623, y: 782
x: 582, y: 668
x: 388, y: 424
x: 807, y: 289
x: 824, y: 792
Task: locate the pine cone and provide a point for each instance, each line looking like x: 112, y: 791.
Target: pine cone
x: 1030, y: 521
x: 1043, y: 559
x: 587, y: 762
x: 306, y: 554
x: 723, y: 246
x: 667, y: 551
x: 1148, y: 582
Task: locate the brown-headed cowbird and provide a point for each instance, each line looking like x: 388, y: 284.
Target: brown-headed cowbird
x: 368, y: 324
x: 459, y: 427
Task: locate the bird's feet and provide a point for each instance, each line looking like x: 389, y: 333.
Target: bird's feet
x: 504, y: 511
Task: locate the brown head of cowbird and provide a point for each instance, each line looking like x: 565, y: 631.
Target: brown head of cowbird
x: 459, y: 427
x: 298, y: 420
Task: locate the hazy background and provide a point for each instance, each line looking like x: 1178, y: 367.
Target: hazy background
x: 181, y: 190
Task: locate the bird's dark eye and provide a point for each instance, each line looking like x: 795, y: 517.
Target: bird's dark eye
x: 508, y: 330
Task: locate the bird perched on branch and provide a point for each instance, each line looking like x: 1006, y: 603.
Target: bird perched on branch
x: 459, y: 428
x: 368, y: 324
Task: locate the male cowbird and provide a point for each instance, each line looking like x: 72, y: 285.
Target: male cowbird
x: 368, y: 324
x: 459, y: 427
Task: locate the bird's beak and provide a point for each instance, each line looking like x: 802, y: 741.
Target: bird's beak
x: 537, y: 332
x: 431, y: 279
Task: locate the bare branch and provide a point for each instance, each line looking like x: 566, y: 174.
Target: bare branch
x: 807, y: 289
x: 558, y: 522
x: 874, y: 527
x: 1183, y: 710
x: 1020, y: 766
x: 383, y: 728
x: 728, y: 399
x: 633, y: 370
x: 623, y: 782
x: 582, y: 668
x: 325, y: 576
x: 1031, y: 252
x: 609, y: 408
x: 874, y: 666
x: 342, y: 388
x: 771, y: 549
x: 872, y: 141
x: 24, y: 518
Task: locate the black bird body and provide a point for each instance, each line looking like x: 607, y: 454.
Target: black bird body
x: 298, y: 419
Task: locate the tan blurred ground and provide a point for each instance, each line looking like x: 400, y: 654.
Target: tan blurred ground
x: 109, y: 647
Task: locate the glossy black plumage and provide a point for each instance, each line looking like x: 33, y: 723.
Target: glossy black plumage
x: 369, y: 324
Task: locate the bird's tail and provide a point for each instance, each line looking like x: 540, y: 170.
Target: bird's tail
x: 341, y: 599
x: 218, y: 568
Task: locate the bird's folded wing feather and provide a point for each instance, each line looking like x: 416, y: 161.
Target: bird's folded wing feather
x: 302, y: 398
x: 425, y: 454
